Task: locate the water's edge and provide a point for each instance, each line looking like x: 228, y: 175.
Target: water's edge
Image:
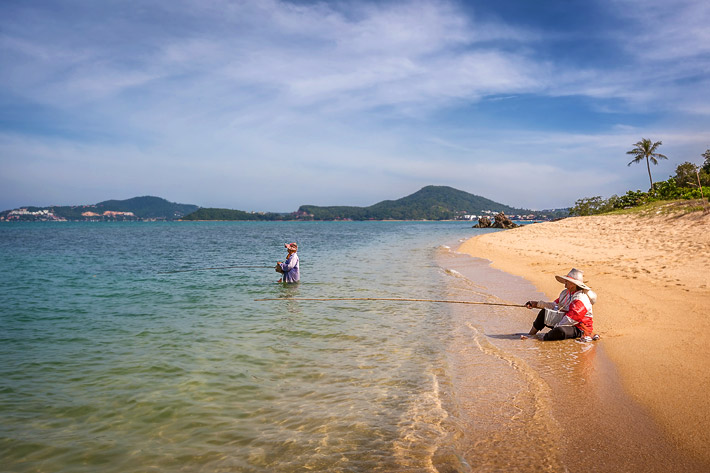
x: 590, y: 421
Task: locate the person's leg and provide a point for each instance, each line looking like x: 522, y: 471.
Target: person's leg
x: 538, y: 325
x: 539, y: 322
x: 562, y: 333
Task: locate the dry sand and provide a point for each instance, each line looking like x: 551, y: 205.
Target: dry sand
x: 652, y: 276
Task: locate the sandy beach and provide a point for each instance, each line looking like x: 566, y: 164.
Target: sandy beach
x: 652, y: 276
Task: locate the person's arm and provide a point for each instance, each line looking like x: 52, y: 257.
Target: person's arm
x: 290, y: 263
x: 542, y: 304
x: 546, y: 305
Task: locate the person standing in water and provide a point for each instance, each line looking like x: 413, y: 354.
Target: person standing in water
x: 289, y: 268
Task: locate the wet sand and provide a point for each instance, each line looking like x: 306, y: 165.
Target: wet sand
x: 651, y: 365
x: 530, y: 406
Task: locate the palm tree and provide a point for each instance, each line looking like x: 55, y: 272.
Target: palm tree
x: 646, y: 149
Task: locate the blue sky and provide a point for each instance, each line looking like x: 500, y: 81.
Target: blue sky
x: 268, y: 105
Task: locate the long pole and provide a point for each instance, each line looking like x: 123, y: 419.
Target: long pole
x: 395, y: 299
x: 207, y: 269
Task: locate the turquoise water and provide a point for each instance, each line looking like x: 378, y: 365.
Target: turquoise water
x: 108, y: 365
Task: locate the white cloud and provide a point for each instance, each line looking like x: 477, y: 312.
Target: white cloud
x: 222, y: 96
x: 301, y: 55
x: 663, y: 30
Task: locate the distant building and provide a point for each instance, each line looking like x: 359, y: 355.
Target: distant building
x: 114, y: 214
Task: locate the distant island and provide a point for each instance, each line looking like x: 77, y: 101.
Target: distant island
x: 429, y: 203
x: 145, y: 208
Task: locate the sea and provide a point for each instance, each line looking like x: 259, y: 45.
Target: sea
x: 171, y: 347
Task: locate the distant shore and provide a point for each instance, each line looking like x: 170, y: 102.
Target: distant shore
x: 651, y: 275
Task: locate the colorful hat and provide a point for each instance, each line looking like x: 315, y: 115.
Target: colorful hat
x: 291, y: 246
x: 575, y: 276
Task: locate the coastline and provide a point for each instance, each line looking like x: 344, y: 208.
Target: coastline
x: 650, y: 273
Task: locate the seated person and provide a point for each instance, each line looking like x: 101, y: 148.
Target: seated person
x: 575, y: 302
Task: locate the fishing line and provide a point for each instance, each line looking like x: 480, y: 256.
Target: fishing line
x: 218, y: 267
x: 207, y: 269
x: 394, y: 299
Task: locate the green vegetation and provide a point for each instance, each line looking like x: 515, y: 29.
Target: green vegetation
x: 227, y: 214
x: 142, y: 208
x: 67, y: 212
x: 148, y: 207
x: 429, y: 203
x: 664, y: 207
x: 690, y: 182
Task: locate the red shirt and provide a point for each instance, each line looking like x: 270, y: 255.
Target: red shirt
x: 579, y: 313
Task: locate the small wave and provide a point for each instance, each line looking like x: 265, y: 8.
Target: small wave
x: 531, y: 407
x: 427, y: 429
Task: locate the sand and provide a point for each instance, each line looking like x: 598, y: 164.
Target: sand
x: 652, y: 277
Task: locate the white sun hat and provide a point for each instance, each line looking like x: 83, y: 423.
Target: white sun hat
x: 575, y: 276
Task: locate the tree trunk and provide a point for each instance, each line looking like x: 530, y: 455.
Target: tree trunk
x: 648, y: 165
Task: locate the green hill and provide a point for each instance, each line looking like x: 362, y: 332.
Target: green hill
x: 208, y: 213
x: 148, y: 207
x: 429, y: 203
x: 143, y: 208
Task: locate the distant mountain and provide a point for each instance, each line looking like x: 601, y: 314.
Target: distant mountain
x: 148, y: 207
x: 137, y: 208
x: 429, y: 203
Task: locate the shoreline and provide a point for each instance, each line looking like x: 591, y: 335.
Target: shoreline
x: 651, y: 277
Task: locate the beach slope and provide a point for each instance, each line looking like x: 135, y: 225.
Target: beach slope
x: 652, y: 275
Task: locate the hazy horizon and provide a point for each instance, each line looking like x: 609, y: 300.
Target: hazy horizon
x: 253, y: 210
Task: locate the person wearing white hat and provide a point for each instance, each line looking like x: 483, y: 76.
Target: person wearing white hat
x: 570, y: 315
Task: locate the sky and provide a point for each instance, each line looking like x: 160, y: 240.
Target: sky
x: 266, y: 105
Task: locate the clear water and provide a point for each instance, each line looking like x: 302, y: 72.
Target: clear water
x: 106, y: 364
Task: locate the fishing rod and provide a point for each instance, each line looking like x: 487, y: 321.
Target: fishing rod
x: 394, y: 299
x: 207, y: 269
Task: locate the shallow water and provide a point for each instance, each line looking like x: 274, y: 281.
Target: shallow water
x: 109, y: 365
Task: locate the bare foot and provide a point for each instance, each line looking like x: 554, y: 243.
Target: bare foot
x: 524, y: 336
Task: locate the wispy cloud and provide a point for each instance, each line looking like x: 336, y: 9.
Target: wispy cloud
x: 665, y: 31
x: 375, y: 96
